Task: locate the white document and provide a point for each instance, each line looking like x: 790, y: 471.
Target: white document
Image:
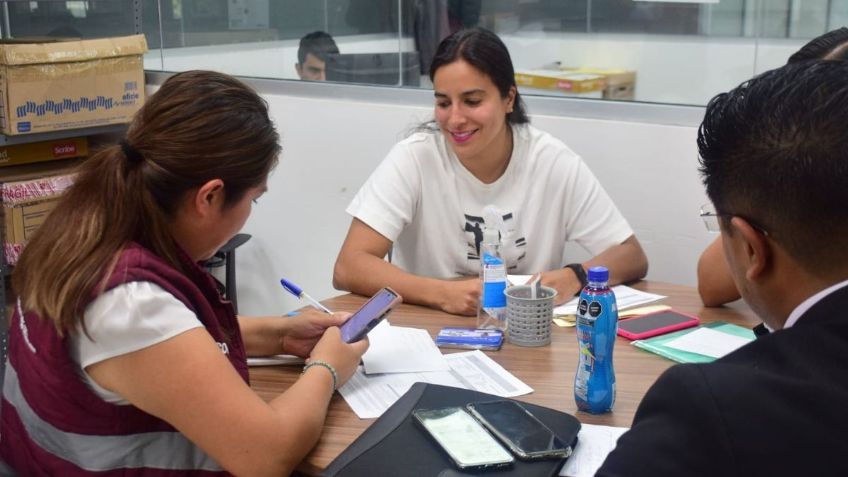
x: 519, y: 279
x: 625, y: 297
x: 594, y: 443
x: 395, y: 349
x: 479, y: 372
x: 708, y: 342
x: 370, y: 395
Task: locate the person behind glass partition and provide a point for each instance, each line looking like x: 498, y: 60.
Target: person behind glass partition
x: 480, y: 164
x: 123, y: 357
x: 312, y: 55
x: 715, y: 284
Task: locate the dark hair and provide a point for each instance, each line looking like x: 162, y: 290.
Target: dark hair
x: 833, y: 45
x: 483, y: 50
x: 197, y: 127
x: 774, y: 151
x: 319, y: 44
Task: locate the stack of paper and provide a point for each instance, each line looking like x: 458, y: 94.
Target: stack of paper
x: 625, y: 297
x: 395, y: 349
x: 400, y: 357
x: 703, y: 344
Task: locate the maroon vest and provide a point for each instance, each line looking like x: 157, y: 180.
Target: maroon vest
x: 51, y: 423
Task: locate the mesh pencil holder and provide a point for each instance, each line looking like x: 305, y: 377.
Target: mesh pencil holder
x: 529, y: 319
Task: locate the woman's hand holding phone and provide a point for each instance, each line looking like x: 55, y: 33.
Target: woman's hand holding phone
x: 305, y: 329
x: 343, y: 346
x: 344, y: 357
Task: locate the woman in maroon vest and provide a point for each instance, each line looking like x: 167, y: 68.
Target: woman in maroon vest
x: 123, y: 358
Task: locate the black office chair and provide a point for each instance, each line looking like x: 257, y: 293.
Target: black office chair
x: 226, y: 257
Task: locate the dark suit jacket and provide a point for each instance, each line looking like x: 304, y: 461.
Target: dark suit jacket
x: 777, y: 406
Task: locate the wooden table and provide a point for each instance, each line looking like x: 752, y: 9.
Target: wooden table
x: 549, y: 370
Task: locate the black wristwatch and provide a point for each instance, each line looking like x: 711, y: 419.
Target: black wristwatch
x: 580, y: 273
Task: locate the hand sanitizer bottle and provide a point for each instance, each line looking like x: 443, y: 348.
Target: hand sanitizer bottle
x: 491, y: 313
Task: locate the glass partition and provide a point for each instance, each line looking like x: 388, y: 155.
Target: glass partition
x: 674, y: 52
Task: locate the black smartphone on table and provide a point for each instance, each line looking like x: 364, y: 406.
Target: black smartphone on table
x: 522, y: 432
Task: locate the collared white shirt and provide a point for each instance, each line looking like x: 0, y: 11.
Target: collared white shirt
x: 809, y: 302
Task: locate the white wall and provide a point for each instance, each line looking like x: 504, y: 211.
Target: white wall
x: 330, y: 147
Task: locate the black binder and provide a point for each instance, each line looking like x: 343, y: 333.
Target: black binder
x: 395, y: 445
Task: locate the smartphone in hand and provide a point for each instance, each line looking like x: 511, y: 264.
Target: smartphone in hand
x: 369, y: 315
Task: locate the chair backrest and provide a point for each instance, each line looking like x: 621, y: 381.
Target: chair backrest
x: 226, y: 256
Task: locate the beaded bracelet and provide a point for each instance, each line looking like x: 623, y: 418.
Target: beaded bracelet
x: 323, y: 364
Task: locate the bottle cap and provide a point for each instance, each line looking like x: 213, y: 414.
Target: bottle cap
x: 598, y: 274
x: 491, y: 236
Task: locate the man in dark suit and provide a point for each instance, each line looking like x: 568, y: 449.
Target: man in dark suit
x: 774, y: 157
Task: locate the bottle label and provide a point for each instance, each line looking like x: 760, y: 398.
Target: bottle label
x: 595, y: 309
x: 582, y: 307
x: 494, y: 282
x: 586, y: 357
x: 493, y: 295
x: 494, y: 273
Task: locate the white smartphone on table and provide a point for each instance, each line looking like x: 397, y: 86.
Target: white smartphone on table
x: 463, y: 438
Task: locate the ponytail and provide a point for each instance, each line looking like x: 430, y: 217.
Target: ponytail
x: 198, y: 126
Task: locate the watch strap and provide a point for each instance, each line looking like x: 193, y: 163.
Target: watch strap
x: 580, y: 273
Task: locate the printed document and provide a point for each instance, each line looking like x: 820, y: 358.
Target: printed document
x: 625, y: 297
x: 395, y: 349
x: 369, y: 395
x: 594, y: 443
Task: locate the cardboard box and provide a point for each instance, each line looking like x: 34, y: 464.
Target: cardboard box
x: 561, y: 81
x: 29, y: 193
x: 620, y: 84
x: 70, y: 84
x: 18, y: 154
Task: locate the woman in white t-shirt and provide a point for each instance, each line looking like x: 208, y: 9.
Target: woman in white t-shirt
x: 483, y: 166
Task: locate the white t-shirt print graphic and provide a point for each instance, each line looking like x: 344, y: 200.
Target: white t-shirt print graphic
x: 513, y: 244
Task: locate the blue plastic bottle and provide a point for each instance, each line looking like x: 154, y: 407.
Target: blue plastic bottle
x: 597, y: 324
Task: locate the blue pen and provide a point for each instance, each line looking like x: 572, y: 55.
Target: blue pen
x: 298, y: 292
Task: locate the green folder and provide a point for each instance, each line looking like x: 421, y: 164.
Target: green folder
x: 657, y: 343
